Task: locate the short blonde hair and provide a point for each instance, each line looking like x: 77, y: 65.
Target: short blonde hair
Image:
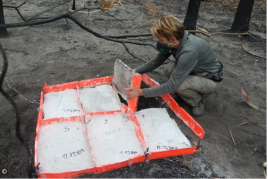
x: 167, y: 27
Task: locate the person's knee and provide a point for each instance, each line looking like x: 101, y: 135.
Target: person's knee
x: 185, y: 85
x: 180, y: 90
x: 167, y: 72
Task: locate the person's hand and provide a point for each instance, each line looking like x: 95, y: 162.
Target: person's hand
x: 133, y: 92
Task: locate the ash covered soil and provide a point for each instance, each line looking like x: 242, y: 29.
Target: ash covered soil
x: 60, y: 52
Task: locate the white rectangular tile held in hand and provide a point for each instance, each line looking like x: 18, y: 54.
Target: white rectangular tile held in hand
x: 122, y: 77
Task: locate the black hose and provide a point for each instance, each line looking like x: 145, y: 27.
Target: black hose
x: 31, y: 168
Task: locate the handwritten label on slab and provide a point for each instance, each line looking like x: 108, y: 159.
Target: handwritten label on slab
x: 73, y: 154
x: 71, y: 110
x: 66, y: 129
x: 128, y: 152
x: 166, y: 147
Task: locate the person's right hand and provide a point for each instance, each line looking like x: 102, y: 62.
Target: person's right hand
x: 133, y: 92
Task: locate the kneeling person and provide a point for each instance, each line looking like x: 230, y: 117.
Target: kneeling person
x: 195, y: 72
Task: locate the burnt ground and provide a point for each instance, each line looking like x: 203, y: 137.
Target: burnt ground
x: 58, y: 52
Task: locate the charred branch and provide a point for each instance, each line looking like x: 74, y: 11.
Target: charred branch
x: 3, y: 30
x: 31, y: 169
x: 69, y: 16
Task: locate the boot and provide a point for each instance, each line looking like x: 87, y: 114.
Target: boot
x: 199, y: 110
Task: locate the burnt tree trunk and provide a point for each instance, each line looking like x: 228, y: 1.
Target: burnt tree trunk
x: 242, y: 16
x: 3, y: 31
x: 192, y: 15
x: 73, y: 8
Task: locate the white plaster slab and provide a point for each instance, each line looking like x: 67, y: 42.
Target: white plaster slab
x: 160, y: 131
x: 64, y: 147
x: 113, y: 139
x: 62, y: 104
x: 99, y: 98
x: 122, y: 77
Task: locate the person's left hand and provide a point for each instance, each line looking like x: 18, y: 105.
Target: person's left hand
x: 133, y: 92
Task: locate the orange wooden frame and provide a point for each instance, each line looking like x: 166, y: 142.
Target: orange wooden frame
x: 130, y: 109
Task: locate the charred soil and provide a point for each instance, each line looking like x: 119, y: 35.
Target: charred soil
x: 60, y: 52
